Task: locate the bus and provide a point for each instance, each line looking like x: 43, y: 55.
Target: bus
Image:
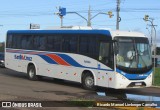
x: 92, y: 57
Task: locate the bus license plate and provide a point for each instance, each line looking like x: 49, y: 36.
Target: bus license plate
x: 138, y: 84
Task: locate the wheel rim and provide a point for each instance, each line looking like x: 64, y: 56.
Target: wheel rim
x: 89, y: 82
x: 31, y: 73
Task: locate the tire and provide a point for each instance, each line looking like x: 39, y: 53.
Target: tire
x: 88, y: 81
x: 31, y: 72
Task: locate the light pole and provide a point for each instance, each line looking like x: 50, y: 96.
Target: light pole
x: 146, y: 18
x: 90, y: 18
x: 78, y: 15
x: 62, y: 12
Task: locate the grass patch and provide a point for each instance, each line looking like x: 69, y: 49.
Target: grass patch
x: 157, y: 77
x: 82, y: 103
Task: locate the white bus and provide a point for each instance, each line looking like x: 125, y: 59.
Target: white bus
x: 93, y: 57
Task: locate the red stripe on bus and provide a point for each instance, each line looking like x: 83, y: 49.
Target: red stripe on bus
x: 58, y: 59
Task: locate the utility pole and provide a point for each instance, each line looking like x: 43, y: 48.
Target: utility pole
x: 89, y: 17
x: 153, y: 47
x: 61, y: 17
x: 118, y: 17
x: 152, y: 29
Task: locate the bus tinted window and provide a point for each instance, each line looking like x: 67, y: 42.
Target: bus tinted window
x: 69, y: 43
x: 57, y: 44
x: 88, y: 45
x: 92, y: 45
x: 18, y: 42
x: 42, y: 43
x: 74, y: 44
x: 14, y: 42
x: 36, y: 43
x: 26, y: 42
x: 9, y: 41
x: 50, y: 43
x: 83, y: 44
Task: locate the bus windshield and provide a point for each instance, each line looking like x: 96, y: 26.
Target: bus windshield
x: 133, y: 52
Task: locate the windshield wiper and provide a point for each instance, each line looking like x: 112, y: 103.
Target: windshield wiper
x: 135, y: 50
x: 142, y: 59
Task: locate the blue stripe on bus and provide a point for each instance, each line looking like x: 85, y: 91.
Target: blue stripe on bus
x: 93, y: 31
x: 134, y: 76
x: 70, y: 60
x: 65, y: 57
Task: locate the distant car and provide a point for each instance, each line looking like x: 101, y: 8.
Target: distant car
x: 2, y: 59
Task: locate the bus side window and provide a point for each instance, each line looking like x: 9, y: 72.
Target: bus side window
x: 73, y: 44
x: 104, y: 53
x: 30, y: 42
x: 27, y: 42
x: 43, y: 42
x: 57, y: 43
x: 50, y: 43
x: 14, y: 42
x: 36, y: 42
x: 88, y: 45
x: 92, y: 46
x: 24, y: 42
x: 69, y: 43
x: 18, y: 42
x: 83, y: 45
x: 65, y: 44
x: 9, y: 41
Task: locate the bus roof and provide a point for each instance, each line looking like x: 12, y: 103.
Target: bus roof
x: 93, y: 31
x: 81, y: 31
x: 126, y: 34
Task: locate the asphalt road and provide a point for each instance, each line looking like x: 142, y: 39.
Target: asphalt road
x: 14, y: 86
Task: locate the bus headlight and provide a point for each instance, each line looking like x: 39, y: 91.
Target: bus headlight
x: 1, y: 61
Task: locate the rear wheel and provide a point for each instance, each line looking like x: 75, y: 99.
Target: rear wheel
x: 32, y: 73
x: 88, y: 81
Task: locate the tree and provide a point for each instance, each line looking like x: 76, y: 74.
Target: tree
x: 2, y: 47
x: 158, y: 51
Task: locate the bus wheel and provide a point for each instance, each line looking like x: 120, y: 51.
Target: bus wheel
x: 88, y: 81
x: 32, y: 73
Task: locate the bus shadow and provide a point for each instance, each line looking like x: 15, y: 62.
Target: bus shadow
x: 61, y: 82
x: 15, y: 74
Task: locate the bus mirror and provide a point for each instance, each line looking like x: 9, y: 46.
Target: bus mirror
x: 114, y: 41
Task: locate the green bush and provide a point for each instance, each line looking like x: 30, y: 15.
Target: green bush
x: 157, y: 77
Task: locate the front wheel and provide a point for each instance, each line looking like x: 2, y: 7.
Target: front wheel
x: 88, y: 81
x: 31, y: 72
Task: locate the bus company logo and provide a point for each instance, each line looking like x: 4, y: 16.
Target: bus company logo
x: 23, y: 57
x: 142, y: 75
